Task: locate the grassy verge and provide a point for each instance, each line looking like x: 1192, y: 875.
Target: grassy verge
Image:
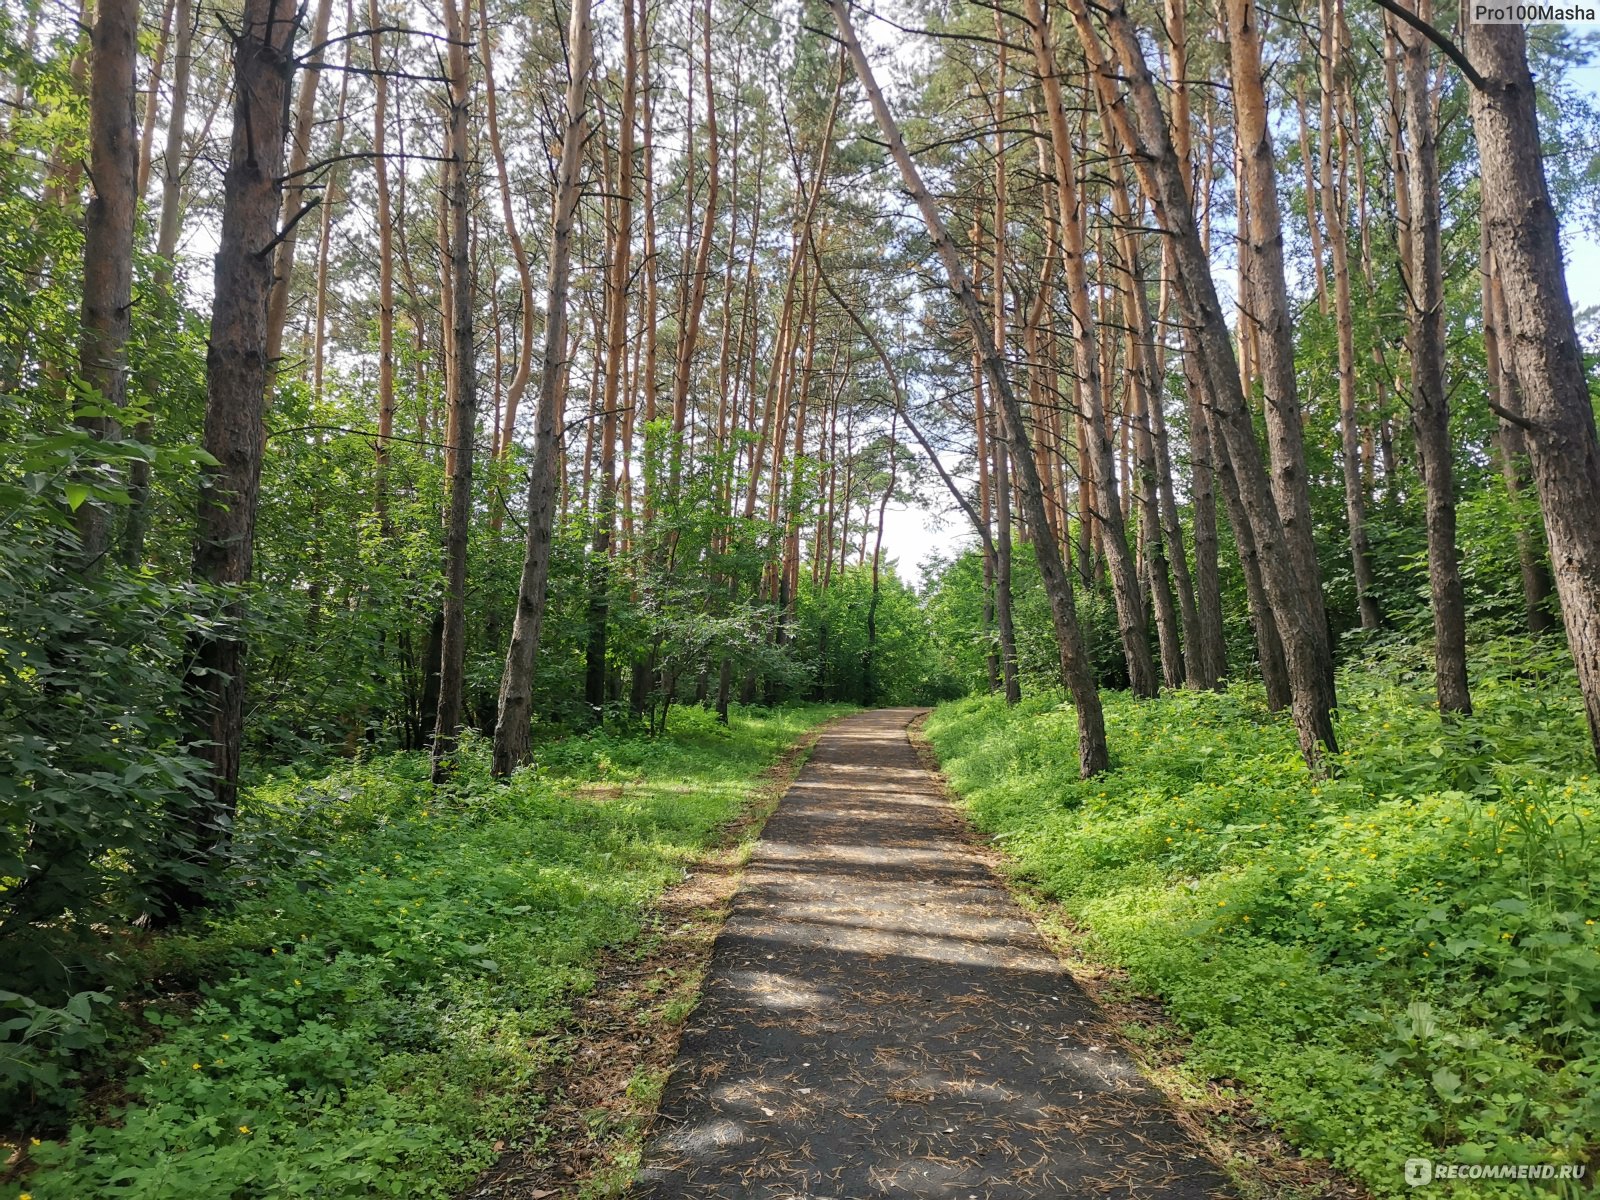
x: 375, y: 1017
x: 1398, y: 961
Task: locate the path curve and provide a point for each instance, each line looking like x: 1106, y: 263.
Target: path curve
x: 881, y: 1019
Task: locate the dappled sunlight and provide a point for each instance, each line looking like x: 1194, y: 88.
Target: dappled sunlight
x: 881, y: 1019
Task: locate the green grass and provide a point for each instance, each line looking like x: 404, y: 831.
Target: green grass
x: 1399, y: 960
x: 379, y: 1011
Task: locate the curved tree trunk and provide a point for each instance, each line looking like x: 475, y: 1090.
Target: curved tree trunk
x: 1108, y: 511
x: 1296, y: 599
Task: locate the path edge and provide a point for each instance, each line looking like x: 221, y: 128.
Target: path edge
x: 588, y: 1134
x: 1253, y: 1155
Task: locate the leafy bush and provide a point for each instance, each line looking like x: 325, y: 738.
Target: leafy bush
x: 377, y: 1010
x: 1401, y: 959
x: 95, y: 782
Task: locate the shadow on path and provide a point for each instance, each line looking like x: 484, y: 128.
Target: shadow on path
x: 880, y: 1019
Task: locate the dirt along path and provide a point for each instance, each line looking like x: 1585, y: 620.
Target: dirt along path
x: 881, y: 1019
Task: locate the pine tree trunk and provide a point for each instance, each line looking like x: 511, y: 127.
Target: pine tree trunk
x: 383, y: 220
x: 605, y: 515
x: 294, y: 188
x: 108, y: 251
x: 514, y: 725
x: 1559, y: 415
x: 1336, y: 218
x: 463, y: 390
x: 523, y: 369
x: 1505, y: 397
x: 1271, y: 323
x: 1296, y: 599
x: 1430, y: 413
x: 236, y: 389
x: 1108, y: 504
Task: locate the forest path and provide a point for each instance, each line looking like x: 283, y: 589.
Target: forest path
x: 881, y: 1019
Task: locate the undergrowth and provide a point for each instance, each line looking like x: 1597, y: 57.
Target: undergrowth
x: 378, y: 1010
x: 1399, y: 960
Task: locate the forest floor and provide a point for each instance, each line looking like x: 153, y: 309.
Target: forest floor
x: 881, y: 1018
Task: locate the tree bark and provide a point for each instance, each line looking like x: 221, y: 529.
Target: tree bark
x: 514, y: 725
x: 152, y: 101
x: 616, y: 353
x: 1505, y: 397
x: 383, y: 219
x: 1108, y: 504
x: 108, y: 250
x: 700, y: 272
x: 236, y: 389
x: 523, y: 369
x: 1270, y: 319
x: 1295, y: 599
x: 294, y: 191
x: 1525, y: 240
x: 1336, y: 217
x: 463, y: 405
x: 1430, y: 413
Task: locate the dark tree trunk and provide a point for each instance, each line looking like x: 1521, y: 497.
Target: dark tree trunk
x: 236, y: 389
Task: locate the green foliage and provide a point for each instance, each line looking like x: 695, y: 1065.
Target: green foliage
x: 94, y: 776
x: 370, y: 1017
x: 1401, y: 959
x: 866, y: 648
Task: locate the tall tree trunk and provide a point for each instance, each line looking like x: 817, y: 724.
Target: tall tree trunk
x: 152, y: 101
x: 514, y: 725
x: 1002, y: 442
x: 1557, y: 410
x: 1212, y: 658
x: 1108, y: 504
x: 1093, y: 756
x: 523, y: 369
x: 108, y: 249
x: 383, y: 220
x: 1296, y: 599
x: 1430, y: 412
x: 236, y: 390
x: 1336, y: 217
x: 463, y: 389
x: 615, y: 354
x: 131, y: 548
x: 172, y: 165
x: 700, y: 272
x: 1270, y: 320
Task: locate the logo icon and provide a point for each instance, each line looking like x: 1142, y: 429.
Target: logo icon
x: 1419, y: 1171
